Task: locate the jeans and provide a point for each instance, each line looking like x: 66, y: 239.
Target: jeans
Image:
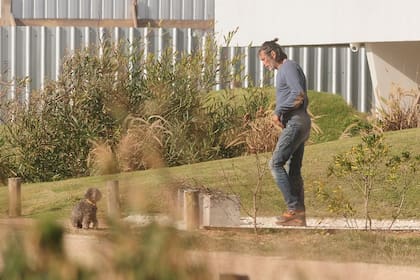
x: 289, y: 149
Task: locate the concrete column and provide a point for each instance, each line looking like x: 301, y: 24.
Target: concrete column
x: 393, y: 64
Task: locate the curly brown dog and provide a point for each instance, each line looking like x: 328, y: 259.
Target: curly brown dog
x: 84, y: 212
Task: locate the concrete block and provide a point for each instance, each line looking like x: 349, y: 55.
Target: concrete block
x: 220, y: 210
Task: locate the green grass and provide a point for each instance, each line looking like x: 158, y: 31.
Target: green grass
x: 333, y: 115
x: 152, y: 190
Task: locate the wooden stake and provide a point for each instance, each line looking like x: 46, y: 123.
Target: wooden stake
x: 134, y: 13
x: 14, y: 197
x: 180, y: 204
x: 6, y: 16
x: 191, y: 209
x: 113, y: 195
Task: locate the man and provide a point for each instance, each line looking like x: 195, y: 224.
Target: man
x: 290, y: 114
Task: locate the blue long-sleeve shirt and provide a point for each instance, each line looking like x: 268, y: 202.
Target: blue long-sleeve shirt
x: 290, y: 89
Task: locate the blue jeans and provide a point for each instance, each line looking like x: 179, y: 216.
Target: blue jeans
x: 289, y: 149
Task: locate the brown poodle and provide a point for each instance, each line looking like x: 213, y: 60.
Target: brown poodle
x: 84, y: 212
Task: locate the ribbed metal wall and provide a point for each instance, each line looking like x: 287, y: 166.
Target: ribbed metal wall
x: 37, y: 52
x: 337, y: 70
x: 334, y: 69
x: 113, y: 9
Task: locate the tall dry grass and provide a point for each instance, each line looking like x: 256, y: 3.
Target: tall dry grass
x: 141, y: 147
x: 102, y: 159
x: 401, y: 110
x: 260, y: 134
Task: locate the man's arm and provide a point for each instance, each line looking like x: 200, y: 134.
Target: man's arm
x: 297, y: 92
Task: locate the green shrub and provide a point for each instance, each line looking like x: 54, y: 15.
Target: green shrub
x: 74, y: 123
x: 50, y: 137
x: 376, y: 177
x: 79, y: 120
x: 333, y: 116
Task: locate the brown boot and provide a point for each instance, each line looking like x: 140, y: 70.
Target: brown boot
x: 292, y: 218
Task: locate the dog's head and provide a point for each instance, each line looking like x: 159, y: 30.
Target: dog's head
x: 93, y: 195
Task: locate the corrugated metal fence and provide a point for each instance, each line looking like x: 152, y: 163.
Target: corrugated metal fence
x: 37, y: 51
x: 113, y: 9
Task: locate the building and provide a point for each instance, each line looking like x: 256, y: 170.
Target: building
x: 351, y: 48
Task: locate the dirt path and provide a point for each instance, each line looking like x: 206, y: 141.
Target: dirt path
x: 278, y: 268
x: 89, y: 249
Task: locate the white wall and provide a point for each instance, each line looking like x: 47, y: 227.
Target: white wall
x: 394, y: 65
x: 318, y: 22
x: 389, y: 29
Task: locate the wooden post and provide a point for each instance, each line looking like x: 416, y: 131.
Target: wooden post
x: 191, y: 209
x: 6, y: 16
x: 134, y: 13
x: 180, y: 204
x: 113, y: 199
x: 14, y: 197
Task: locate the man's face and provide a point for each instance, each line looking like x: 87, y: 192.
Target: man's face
x: 268, y: 61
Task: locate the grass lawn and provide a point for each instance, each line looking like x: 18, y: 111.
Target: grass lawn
x: 402, y: 248
x: 332, y: 113
x: 152, y: 190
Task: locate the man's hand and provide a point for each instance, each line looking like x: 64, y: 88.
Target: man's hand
x: 299, y: 100
x: 276, y: 121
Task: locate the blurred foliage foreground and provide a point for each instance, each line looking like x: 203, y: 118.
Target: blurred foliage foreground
x: 154, y: 252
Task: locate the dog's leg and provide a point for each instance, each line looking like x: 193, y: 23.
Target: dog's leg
x: 85, y: 222
x: 95, y: 222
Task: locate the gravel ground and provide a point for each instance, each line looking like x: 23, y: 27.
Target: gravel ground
x: 330, y: 223
x: 312, y: 223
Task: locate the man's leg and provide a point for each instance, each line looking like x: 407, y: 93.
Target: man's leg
x: 290, y: 146
x: 295, y: 176
x: 281, y: 155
